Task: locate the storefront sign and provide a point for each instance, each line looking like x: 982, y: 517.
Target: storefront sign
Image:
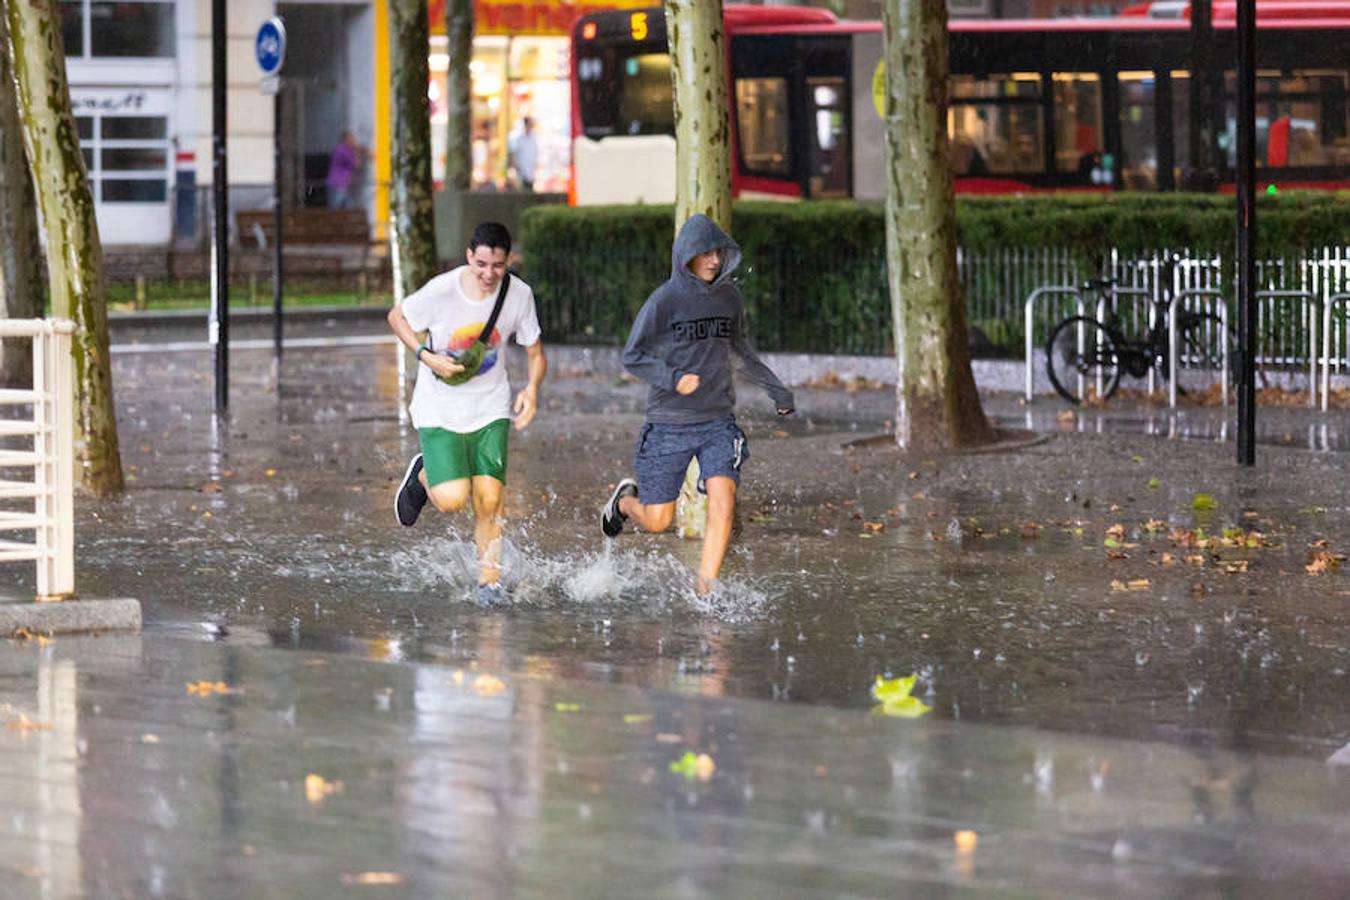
x: 118, y: 101
x: 519, y: 17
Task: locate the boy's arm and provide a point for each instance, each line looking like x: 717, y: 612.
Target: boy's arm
x: 754, y: 368
x: 639, y: 355
x: 527, y: 401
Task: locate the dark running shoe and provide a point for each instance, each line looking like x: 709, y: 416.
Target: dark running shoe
x: 611, y: 520
x: 411, y: 496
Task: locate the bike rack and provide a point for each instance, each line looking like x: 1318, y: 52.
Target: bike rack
x: 1049, y: 290
x: 1316, y: 302
x: 1332, y: 301
x: 1172, y: 341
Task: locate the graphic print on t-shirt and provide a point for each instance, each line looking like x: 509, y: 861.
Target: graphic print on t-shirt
x: 462, y: 339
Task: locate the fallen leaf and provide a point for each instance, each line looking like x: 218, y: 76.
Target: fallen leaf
x: 149, y: 739
x: 1203, y: 501
x: 894, y: 698
x: 694, y: 766
x: 1066, y: 418
x: 666, y: 737
x: 372, y: 878
x: 965, y: 841
x: 1237, y: 567
x: 636, y: 718
x: 211, y: 487
x: 25, y: 724
x: 1153, y: 526
x: 567, y: 707
x: 1116, y: 531
x: 206, y: 688
x: 317, y: 788
x: 488, y: 685
x: 1154, y: 483
x: 269, y: 472
x: 874, y: 527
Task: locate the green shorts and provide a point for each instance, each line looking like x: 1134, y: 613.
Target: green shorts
x: 452, y: 455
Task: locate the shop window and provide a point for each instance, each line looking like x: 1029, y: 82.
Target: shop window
x: 762, y: 117
x: 72, y: 27
x: 139, y: 190
x: 126, y: 28
x: 127, y: 157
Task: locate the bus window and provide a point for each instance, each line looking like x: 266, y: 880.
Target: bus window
x: 762, y: 116
x: 646, y: 95
x: 829, y: 150
x: 1079, y: 140
x: 1301, y: 118
x: 994, y: 124
x: 1138, y: 131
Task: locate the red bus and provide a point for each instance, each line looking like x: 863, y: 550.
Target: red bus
x: 1087, y: 104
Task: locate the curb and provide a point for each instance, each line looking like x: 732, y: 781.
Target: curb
x: 70, y: 616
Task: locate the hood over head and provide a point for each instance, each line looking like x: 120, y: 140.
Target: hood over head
x: 699, y: 234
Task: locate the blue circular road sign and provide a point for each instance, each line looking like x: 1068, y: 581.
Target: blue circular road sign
x: 270, y: 46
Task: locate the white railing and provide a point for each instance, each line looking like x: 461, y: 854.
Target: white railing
x: 51, y: 457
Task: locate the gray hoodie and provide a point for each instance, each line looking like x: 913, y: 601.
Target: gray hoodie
x: 688, y: 326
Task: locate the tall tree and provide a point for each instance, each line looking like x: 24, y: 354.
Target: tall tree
x: 414, y: 219
x: 937, y: 403
x: 698, y: 54
x: 74, y: 254
x: 458, y: 82
x: 696, y: 35
x: 20, y: 252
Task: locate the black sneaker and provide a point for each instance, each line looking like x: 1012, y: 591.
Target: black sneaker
x: 411, y: 496
x: 611, y: 520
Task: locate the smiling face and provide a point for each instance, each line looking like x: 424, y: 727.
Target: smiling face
x: 707, y: 265
x: 487, y: 265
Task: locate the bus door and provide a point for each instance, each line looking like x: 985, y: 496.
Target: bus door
x: 825, y: 128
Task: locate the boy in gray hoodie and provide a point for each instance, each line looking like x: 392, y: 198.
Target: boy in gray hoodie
x: 682, y: 344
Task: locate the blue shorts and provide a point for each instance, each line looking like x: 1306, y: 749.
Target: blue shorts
x: 664, y: 451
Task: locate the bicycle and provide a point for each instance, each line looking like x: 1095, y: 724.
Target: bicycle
x: 1090, y: 353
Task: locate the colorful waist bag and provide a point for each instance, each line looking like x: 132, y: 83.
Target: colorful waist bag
x: 471, y: 358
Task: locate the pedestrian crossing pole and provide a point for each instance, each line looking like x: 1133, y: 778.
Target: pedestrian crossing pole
x: 1246, y: 231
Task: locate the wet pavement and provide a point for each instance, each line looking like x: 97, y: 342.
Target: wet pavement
x: 1140, y: 710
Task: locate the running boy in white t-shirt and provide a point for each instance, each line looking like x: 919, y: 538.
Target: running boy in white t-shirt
x: 463, y: 426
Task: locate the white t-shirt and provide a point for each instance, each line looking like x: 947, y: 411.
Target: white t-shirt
x: 454, y: 322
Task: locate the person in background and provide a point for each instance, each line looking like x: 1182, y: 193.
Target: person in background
x: 525, y: 154
x: 346, y: 160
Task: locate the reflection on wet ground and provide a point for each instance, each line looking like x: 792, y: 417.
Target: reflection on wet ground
x: 153, y: 767
x: 1001, y: 580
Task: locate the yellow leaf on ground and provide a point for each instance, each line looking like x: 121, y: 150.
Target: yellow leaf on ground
x: 317, y: 788
x: 372, y: 878
x: 488, y: 685
x: 965, y: 841
x: 24, y: 724
x: 206, y: 688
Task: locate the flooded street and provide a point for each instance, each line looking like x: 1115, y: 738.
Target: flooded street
x: 1135, y: 666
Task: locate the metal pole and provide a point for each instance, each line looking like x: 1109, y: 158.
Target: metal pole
x: 276, y: 223
x: 1246, y: 230
x: 220, y: 271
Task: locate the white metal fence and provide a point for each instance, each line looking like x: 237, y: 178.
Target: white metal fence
x: 37, y: 457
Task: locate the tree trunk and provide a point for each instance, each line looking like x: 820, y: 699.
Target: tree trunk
x: 414, y: 220
x: 74, y: 255
x: 938, y: 405
x: 459, y: 112
x: 20, y: 253
x: 698, y: 71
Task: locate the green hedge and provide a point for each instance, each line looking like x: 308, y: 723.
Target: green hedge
x: 813, y: 274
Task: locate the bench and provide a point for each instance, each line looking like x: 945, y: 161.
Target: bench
x: 331, y: 241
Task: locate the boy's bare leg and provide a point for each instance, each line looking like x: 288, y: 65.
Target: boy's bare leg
x: 448, y: 496
x: 652, y: 517
x: 721, y: 510
x: 487, y: 527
